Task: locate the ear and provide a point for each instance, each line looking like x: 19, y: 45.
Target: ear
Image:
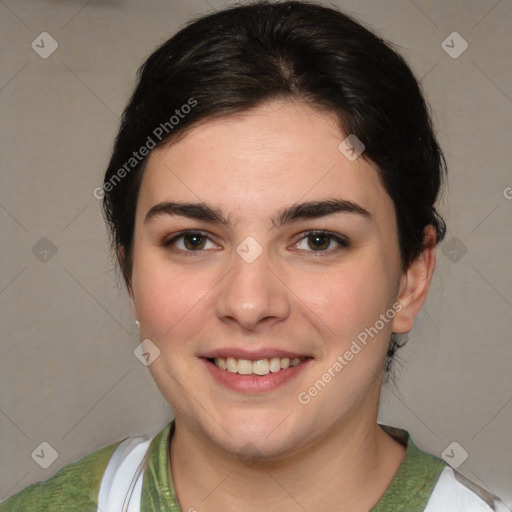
x: 415, y: 283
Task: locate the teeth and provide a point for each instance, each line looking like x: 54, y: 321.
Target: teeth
x: 231, y: 365
x: 275, y: 364
x: 244, y: 367
x: 259, y: 367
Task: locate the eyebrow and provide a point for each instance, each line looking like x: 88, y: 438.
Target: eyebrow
x: 288, y: 215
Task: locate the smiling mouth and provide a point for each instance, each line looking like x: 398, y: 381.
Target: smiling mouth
x: 259, y: 367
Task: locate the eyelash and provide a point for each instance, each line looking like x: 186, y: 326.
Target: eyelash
x: 342, y: 241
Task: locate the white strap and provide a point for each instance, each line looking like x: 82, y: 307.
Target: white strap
x: 121, y: 485
x: 450, y: 494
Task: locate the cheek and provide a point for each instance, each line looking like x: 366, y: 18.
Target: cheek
x: 152, y: 294
x: 349, y: 298
x: 162, y: 295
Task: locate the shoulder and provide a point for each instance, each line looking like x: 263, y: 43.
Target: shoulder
x: 455, y: 493
x: 74, y: 487
x: 425, y: 483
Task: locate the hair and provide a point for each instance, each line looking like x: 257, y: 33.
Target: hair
x: 235, y: 59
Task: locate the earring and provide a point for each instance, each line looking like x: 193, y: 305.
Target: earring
x: 137, y: 323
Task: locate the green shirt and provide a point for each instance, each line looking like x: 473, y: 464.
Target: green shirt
x: 76, y: 486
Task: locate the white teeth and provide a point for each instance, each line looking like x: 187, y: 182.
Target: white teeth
x: 261, y: 367
x: 244, y: 367
x: 275, y: 364
x: 258, y: 367
x: 231, y: 364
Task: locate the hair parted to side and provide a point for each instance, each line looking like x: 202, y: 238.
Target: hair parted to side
x: 235, y: 59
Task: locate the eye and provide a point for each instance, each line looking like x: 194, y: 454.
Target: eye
x: 321, y: 241
x: 190, y: 241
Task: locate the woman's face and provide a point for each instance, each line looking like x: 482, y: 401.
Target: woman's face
x: 245, y: 274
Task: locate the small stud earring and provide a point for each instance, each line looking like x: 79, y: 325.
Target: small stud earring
x: 137, y: 323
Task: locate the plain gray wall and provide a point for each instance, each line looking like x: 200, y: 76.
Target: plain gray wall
x: 68, y: 373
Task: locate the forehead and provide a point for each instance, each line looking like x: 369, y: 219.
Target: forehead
x: 253, y: 163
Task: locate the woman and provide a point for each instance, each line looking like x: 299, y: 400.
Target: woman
x: 271, y: 199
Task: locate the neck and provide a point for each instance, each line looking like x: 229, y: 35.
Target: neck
x: 350, y: 468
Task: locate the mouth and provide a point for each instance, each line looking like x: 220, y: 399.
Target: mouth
x: 257, y: 367
x: 257, y: 375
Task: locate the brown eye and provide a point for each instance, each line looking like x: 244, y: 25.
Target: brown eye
x: 189, y: 242
x: 319, y: 242
x: 194, y: 241
x: 322, y: 241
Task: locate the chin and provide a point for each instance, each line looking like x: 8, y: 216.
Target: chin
x: 253, y: 435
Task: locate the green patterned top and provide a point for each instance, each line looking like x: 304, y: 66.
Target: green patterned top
x: 76, y: 486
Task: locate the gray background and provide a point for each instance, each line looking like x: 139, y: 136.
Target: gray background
x: 68, y: 373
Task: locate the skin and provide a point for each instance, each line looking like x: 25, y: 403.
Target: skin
x: 292, y: 297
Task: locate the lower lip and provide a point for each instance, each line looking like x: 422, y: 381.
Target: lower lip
x: 253, y: 384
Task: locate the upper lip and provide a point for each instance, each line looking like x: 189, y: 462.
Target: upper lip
x: 240, y: 353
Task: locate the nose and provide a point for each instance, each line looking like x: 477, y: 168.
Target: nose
x: 251, y: 294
